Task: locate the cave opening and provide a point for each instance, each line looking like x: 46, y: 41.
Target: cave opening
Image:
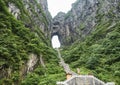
x: 55, y: 41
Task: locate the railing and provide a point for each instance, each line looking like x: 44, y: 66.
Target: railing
x: 84, y: 80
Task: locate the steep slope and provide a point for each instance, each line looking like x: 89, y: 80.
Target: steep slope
x: 26, y: 57
x: 99, y: 53
x: 34, y: 14
x: 92, y: 28
x: 83, y: 17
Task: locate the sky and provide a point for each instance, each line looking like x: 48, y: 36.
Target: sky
x: 55, y: 42
x: 55, y: 6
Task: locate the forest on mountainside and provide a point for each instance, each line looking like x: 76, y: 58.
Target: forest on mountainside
x: 17, y: 42
x: 98, y: 54
x: 89, y: 33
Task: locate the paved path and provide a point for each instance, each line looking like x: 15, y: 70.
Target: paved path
x: 79, y: 79
x: 64, y: 65
x: 84, y: 80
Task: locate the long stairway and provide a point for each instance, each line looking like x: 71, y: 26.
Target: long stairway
x: 64, y: 65
x: 78, y: 79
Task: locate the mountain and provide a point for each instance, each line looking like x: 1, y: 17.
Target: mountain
x: 89, y: 34
x: 26, y: 56
x: 82, y: 19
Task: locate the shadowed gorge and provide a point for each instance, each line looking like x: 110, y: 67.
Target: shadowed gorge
x: 88, y: 43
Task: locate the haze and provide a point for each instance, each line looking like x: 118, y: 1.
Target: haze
x: 56, y: 6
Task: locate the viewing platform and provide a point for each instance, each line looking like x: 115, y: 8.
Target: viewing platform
x: 84, y: 80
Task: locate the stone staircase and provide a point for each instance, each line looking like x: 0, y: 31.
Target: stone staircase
x: 75, y: 79
x: 65, y: 65
x: 84, y: 80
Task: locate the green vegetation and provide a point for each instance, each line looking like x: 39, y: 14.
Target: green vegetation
x: 98, y: 54
x: 46, y: 76
x: 33, y: 16
x: 16, y: 44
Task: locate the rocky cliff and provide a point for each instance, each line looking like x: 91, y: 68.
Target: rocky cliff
x: 83, y: 17
x: 94, y: 26
x: 34, y: 14
x: 26, y: 56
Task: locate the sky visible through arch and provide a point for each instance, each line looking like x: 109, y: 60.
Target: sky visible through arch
x: 55, y: 42
x: 56, y: 6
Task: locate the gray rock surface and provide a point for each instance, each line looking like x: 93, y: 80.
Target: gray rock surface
x: 33, y: 13
x: 83, y: 17
x: 14, y: 10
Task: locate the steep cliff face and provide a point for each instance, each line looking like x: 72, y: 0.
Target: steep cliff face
x: 26, y: 57
x: 58, y: 26
x: 84, y: 16
x: 44, y: 5
x: 96, y: 25
x: 34, y: 14
x: 24, y: 44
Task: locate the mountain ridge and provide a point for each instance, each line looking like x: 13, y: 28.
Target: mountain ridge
x: 89, y: 34
x: 83, y: 17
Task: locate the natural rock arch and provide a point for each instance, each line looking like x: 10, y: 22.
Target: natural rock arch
x: 53, y: 35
